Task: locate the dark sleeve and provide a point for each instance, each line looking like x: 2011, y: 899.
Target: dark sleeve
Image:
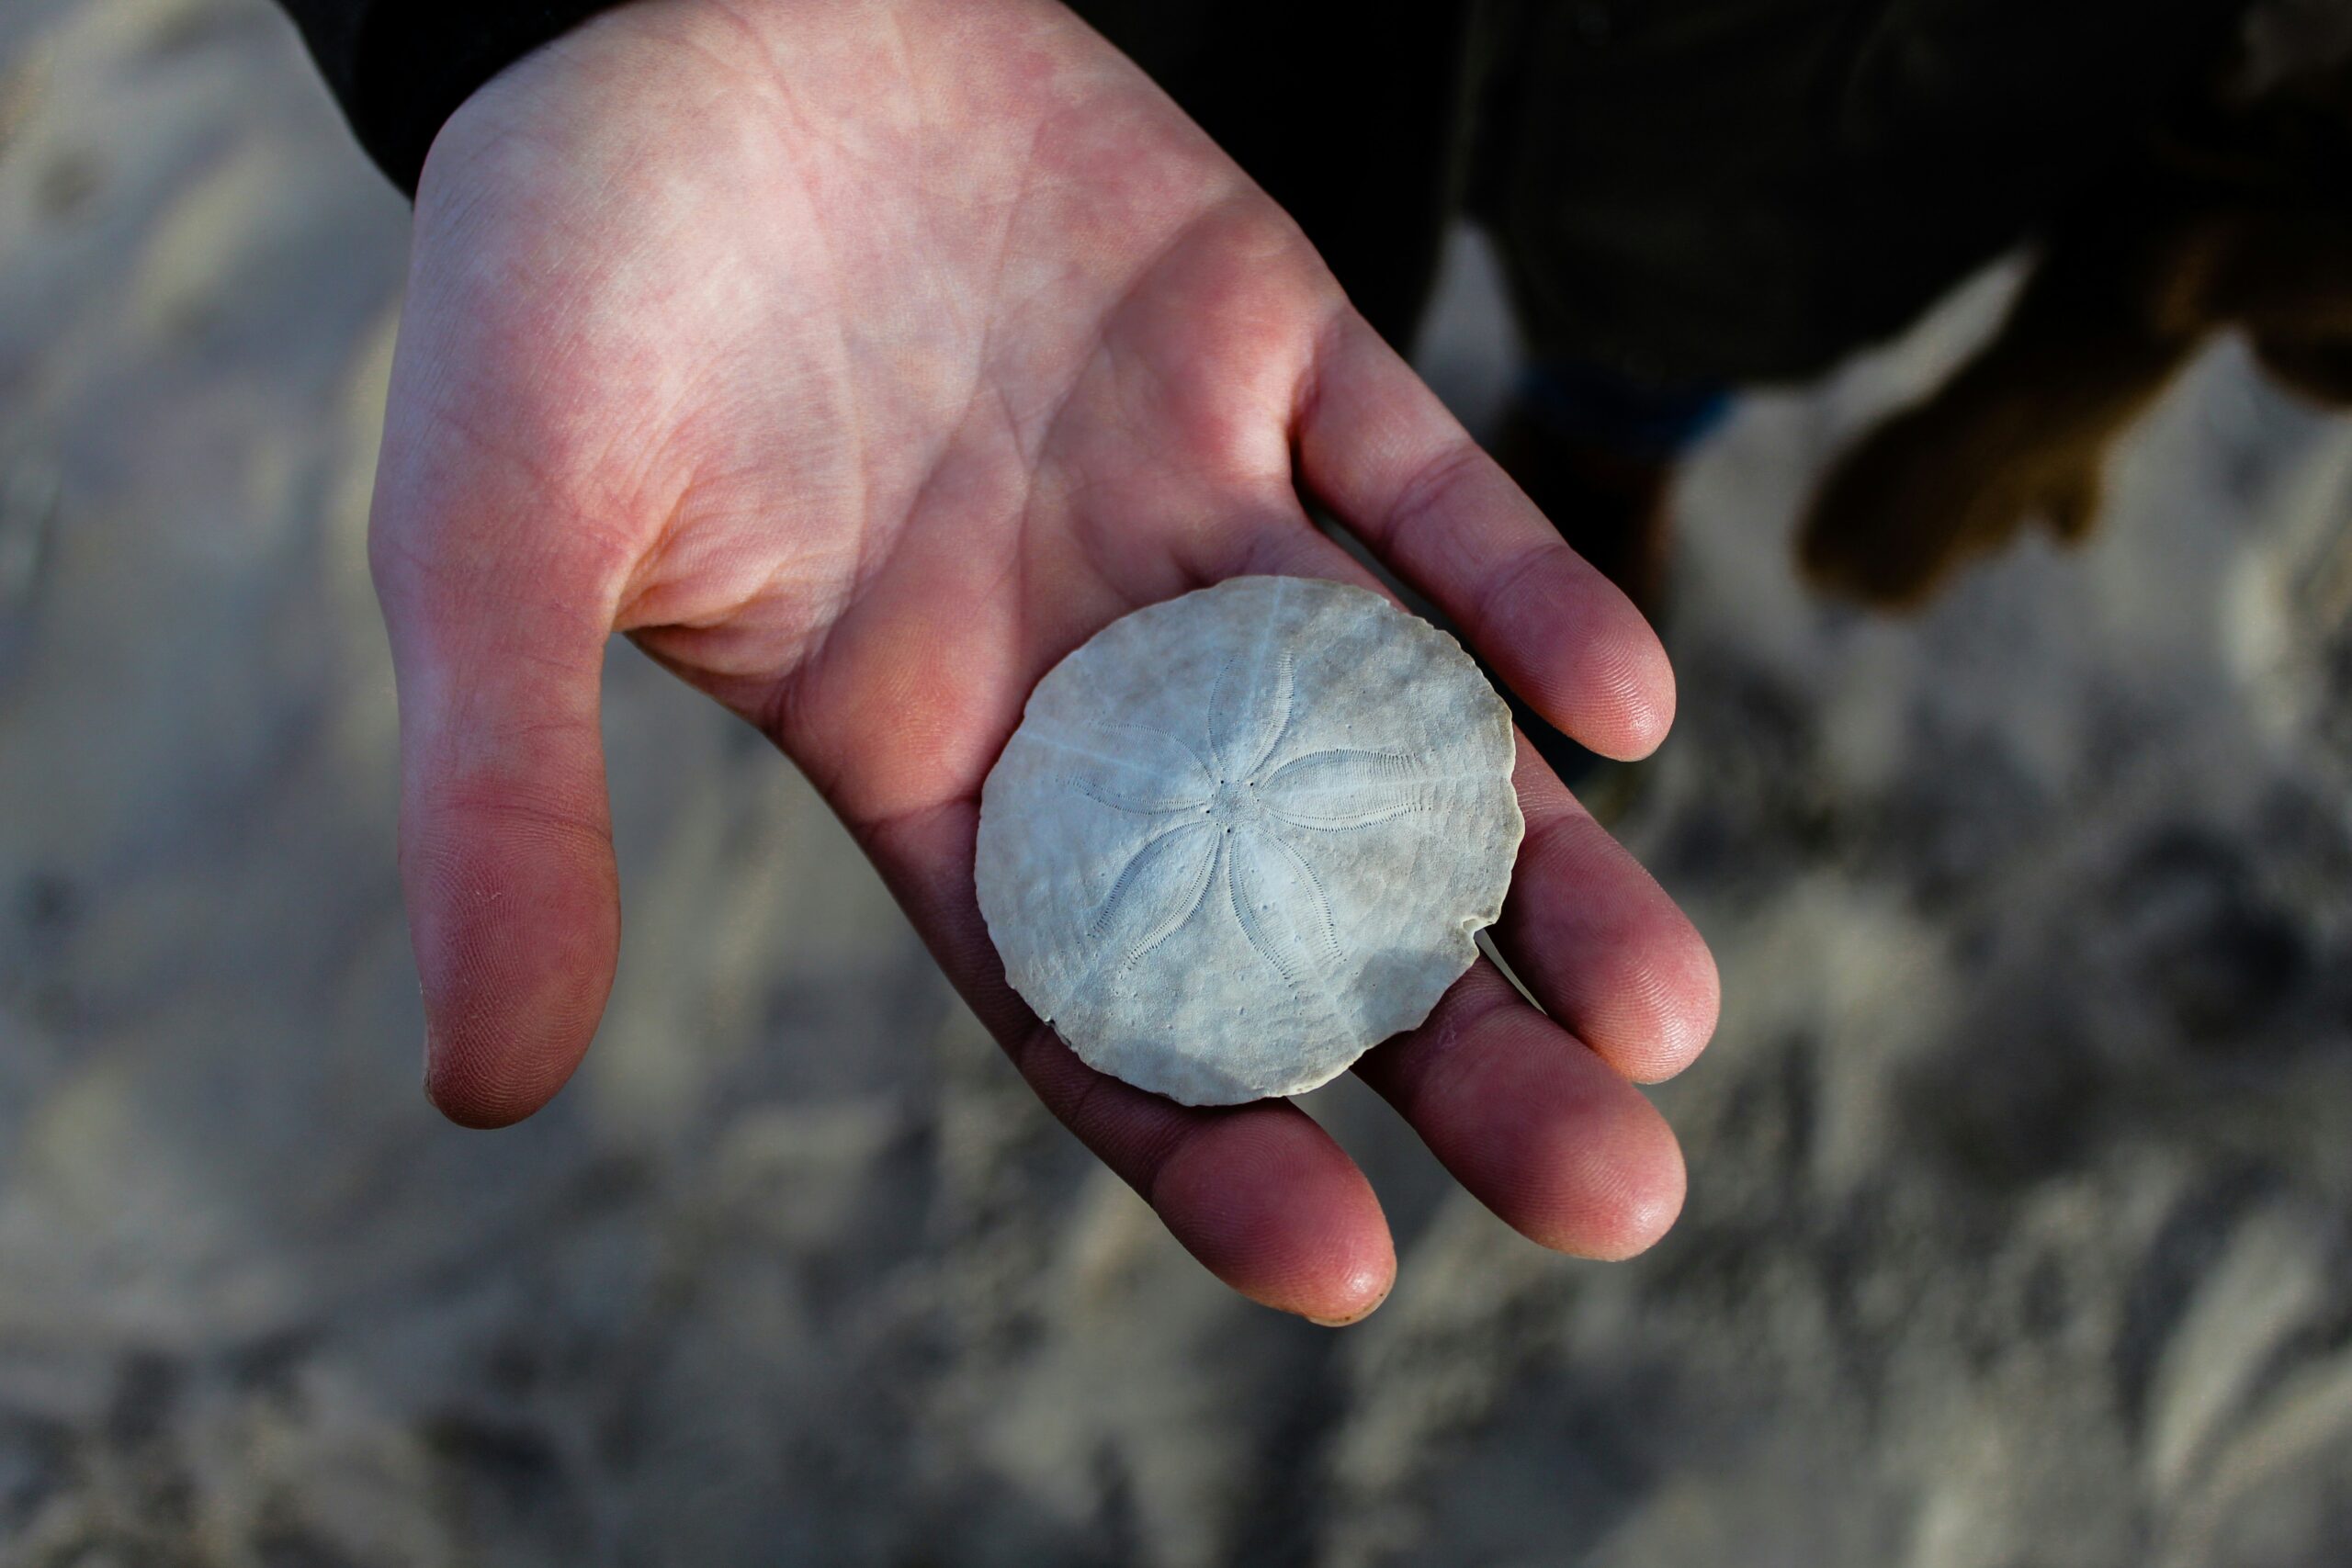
x: 401, y: 67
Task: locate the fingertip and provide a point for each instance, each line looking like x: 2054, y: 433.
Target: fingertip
x: 1651, y: 1183
x: 1608, y: 952
x: 461, y: 1108
x: 516, y: 921
x: 1691, y: 1005
x: 1658, y: 999
x: 1580, y: 653
x: 1271, y: 1206
x: 1649, y: 716
x: 1370, y: 1291
x: 495, y: 1071
x: 1632, y: 681
x: 1605, y: 1185
x: 459, y: 1086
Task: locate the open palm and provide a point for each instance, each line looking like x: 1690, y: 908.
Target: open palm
x: 860, y: 361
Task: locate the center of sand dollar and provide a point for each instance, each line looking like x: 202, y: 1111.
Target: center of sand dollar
x: 1235, y: 804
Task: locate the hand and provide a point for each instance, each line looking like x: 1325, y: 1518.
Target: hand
x: 859, y: 361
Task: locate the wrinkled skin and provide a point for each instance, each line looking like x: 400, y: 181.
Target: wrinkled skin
x: 859, y: 361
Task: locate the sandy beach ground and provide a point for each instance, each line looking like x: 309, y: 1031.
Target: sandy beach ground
x: 2017, y: 1234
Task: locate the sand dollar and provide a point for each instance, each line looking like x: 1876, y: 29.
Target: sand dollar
x: 1241, y: 836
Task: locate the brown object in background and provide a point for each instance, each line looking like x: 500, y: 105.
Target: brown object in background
x: 2242, y: 219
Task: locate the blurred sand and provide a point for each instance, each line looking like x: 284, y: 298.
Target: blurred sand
x: 2016, y: 1233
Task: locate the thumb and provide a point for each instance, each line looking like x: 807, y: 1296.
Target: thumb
x: 506, y: 849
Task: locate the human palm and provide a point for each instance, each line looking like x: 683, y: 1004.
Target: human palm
x: 860, y: 361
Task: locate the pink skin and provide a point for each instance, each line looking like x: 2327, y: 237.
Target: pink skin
x: 860, y: 360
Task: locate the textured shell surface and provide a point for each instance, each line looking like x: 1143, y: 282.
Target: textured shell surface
x: 1243, y: 835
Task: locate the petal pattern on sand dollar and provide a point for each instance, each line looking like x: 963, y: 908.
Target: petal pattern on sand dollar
x: 1299, y: 895
x: 1162, y: 886
x: 1337, y: 790
x: 1250, y: 710
x: 1259, y: 896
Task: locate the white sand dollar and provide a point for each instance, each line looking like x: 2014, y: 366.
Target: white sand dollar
x: 1242, y: 836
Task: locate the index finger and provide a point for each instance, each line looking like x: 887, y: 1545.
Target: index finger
x: 1378, y: 448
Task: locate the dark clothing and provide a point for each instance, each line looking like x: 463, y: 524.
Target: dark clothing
x: 1683, y: 191
x: 401, y: 67
x: 1745, y: 190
